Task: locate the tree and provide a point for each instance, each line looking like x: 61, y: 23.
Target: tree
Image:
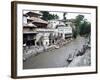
x: 85, y: 28
x: 47, y: 16
x: 74, y: 33
x: 78, y: 21
x: 64, y: 15
x: 56, y: 16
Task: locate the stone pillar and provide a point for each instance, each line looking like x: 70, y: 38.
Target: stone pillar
x: 63, y: 36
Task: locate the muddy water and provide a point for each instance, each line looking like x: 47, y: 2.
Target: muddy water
x: 55, y: 58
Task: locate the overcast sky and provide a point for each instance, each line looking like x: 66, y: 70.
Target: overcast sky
x: 69, y: 15
x: 72, y: 15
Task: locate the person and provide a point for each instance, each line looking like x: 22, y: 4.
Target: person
x: 69, y: 58
x: 78, y: 53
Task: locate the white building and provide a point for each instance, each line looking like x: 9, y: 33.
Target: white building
x: 45, y: 34
x: 64, y: 30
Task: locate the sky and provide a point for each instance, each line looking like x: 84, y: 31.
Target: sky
x: 69, y: 15
x: 72, y: 15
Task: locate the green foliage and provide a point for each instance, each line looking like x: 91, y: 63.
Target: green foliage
x: 85, y: 28
x: 74, y: 33
x: 64, y: 15
x: 78, y: 20
x: 47, y: 16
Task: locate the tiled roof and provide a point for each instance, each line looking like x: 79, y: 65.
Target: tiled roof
x: 38, y: 20
x: 29, y: 25
x: 33, y: 13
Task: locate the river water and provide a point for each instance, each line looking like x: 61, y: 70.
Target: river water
x: 54, y: 58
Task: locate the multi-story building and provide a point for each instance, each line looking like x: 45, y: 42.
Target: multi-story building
x: 29, y: 33
x: 31, y: 23
x: 63, y: 30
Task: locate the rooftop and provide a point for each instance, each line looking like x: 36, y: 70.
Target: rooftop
x: 32, y: 13
x: 38, y: 20
x: 29, y: 25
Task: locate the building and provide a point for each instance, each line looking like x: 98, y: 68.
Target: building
x: 38, y: 32
x: 35, y: 18
x: 31, y: 23
x: 29, y: 32
x: 64, y: 31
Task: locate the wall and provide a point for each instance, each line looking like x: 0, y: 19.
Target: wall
x: 5, y: 41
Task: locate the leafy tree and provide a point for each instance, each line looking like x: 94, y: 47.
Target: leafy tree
x: 56, y: 16
x: 47, y: 16
x: 64, y: 16
x: 74, y: 33
x: 78, y: 21
x: 85, y: 28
